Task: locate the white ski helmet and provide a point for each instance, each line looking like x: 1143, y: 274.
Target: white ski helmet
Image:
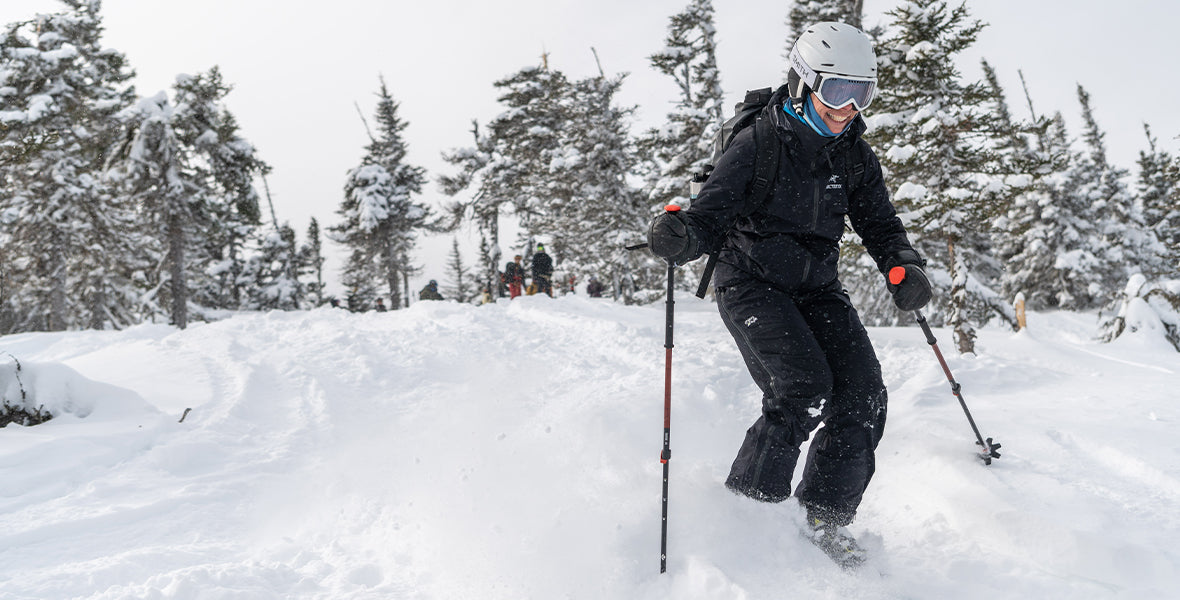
x: 837, y: 62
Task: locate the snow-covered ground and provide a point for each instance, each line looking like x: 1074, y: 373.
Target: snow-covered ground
x: 511, y: 451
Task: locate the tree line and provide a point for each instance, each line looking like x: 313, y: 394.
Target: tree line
x: 1000, y: 206
x: 115, y: 209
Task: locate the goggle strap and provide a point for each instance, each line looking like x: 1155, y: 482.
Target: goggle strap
x: 806, y: 73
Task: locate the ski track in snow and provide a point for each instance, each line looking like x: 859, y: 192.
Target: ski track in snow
x: 511, y: 451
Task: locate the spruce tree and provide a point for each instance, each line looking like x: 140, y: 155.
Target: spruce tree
x: 227, y: 164
x: 604, y: 212
x: 1057, y: 265
x: 190, y: 175
x: 1115, y: 232
x: 156, y: 172
x: 1012, y: 179
x: 1035, y: 225
x: 682, y: 146
x: 380, y: 219
x: 459, y: 283
x: 272, y: 273
x: 311, y: 265
x: 1158, y: 189
x: 67, y: 239
x: 506, y: 172
x: 929, y: 139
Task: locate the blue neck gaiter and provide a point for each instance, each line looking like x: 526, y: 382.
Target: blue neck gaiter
x: 810, y: 117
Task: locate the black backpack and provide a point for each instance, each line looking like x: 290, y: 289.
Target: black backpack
x: 752, y: 111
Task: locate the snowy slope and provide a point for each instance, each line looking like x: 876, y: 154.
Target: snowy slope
x: 511, y: 451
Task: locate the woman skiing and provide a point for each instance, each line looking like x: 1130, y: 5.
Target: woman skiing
x: 777, y: 288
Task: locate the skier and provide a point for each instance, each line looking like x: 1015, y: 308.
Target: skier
x: 542, y: 271
x: 595, y: 288
x: 430, y: 292
x: 777, y: 288
x: 514, y: 276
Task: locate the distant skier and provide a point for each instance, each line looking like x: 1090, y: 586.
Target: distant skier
x: 542, y: 272
x: 514, y: 277
x: 777, y: 289
x: 595, y: 288
x: 430, y: 292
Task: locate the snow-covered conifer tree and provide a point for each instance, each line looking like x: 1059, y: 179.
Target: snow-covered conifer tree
x: 1117, y: 232
x: 380, y: 219
x: 311, y: 265
x: 156, y: 173
x: 506, y: 173
x: 603, y: 212
x: 682, y: 146
x: 66, y: 239
x: 459, y: 284
x: 271, y: 273
x: 227, y: 165
x: 1158, y: 189
x: 1053, y: 264
x: 927, y: 134
x: 190, y: 174
x: 1036, y: 224
x: 676, y: 150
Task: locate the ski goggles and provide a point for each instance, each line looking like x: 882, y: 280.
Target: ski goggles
x: 835, y: 91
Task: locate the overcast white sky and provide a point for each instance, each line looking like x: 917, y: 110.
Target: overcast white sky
x: 298, y: 68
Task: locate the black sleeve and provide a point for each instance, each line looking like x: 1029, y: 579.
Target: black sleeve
x: 874, y: 218
x: 723, y: 197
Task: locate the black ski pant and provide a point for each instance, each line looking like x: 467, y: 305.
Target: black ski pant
x: 811, y: 356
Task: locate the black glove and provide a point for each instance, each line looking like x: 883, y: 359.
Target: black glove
x: 909, y: 286
x: 671, y: 239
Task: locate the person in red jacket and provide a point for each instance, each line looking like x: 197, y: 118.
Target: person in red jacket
x: 514, y: 276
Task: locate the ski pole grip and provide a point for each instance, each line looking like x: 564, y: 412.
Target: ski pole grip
x: 897, y: 275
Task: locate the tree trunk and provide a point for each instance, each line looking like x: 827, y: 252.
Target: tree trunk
x: 964, y: 332
x: 57, y: 291
x: 97, y: 301
x: 179, y: 283
x: 855, y: 10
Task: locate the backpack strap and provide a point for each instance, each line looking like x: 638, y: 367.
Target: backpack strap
x: 856, y: 171
x: 767, y: 151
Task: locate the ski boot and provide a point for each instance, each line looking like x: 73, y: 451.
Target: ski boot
x: 836, y: 542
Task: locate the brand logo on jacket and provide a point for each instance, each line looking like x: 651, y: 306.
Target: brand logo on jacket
x: 834, y: 183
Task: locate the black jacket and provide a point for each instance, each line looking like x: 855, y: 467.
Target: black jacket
x: 792, y: 240
x: 513, y: 273
x: 542, y: 265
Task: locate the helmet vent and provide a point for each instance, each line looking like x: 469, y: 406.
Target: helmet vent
x: 826, y: 44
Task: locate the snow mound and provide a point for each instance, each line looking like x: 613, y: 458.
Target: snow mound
x: 57, y: 390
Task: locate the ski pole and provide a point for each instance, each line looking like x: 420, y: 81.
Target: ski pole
x: 666, y: 452
x: 989, y: 448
